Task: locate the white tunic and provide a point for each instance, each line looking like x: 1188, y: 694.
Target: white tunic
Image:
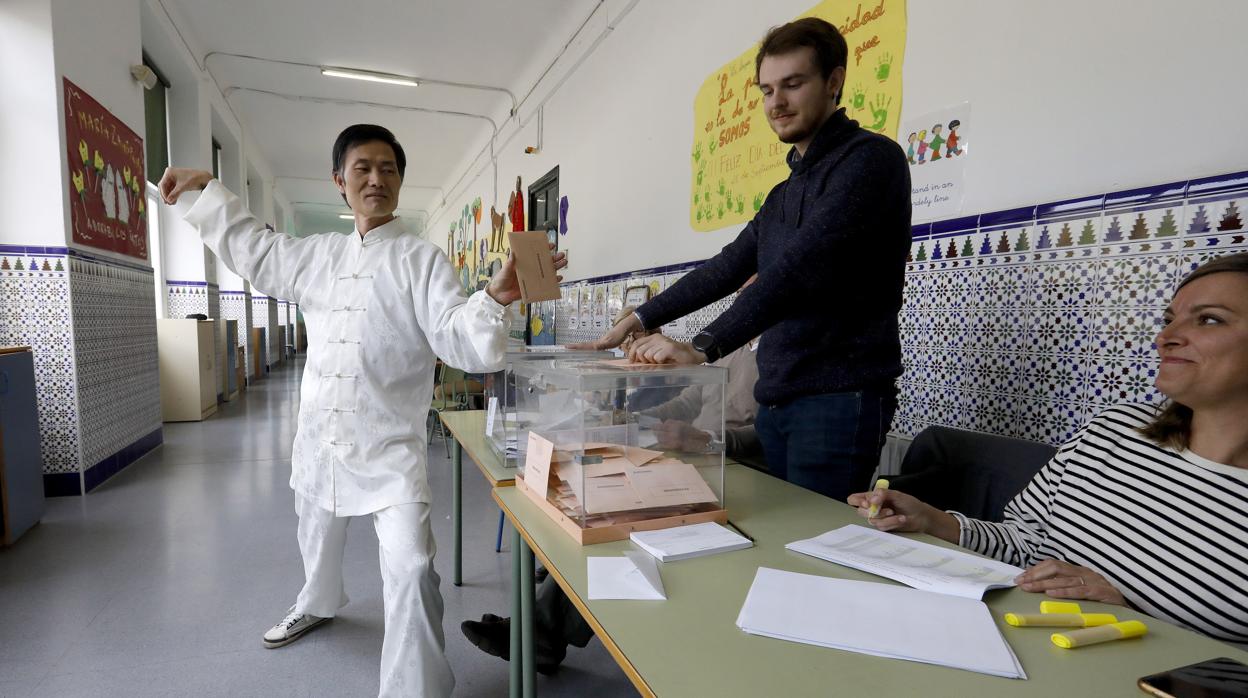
x: 378, y: 310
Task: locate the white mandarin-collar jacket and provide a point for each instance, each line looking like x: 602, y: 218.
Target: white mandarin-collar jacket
x: 378, y: 311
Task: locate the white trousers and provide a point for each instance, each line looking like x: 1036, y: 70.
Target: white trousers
x: 413, y: 654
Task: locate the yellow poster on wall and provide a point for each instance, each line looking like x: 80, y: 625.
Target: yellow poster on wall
x: 736, y: 158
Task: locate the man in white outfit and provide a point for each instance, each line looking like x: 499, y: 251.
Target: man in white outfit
x: 380, y: 305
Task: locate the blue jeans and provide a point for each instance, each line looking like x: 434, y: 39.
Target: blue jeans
x: 827, y: 443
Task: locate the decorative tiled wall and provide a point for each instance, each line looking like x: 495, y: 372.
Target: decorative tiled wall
x: 1024, y: 322
x: 1028, y: 322
x: 214, y: 312
x: 236, y: 305
x: 92, y: 324
x: 283, y: 319
x: 190, y: 297
x: 275, y: 352
x: 35, y: 312
x: 114, y: 314
x: 264, y: 314
x: 186, y: 298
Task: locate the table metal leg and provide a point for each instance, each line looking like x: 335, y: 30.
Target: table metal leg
x: 518, y: 549
x: 527, y: 590
x: 457, y: 497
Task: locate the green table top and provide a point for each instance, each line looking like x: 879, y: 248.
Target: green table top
x: 468, y: 428
x: 690, y: 645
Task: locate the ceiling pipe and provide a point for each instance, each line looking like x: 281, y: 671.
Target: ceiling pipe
x: 609, y: 27
x: 356, y: 102
x: 432, y: 81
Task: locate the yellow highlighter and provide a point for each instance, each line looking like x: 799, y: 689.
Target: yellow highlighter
x: 1060, y: 607
x: 1104, y: 633
x: 1060, y: 620
x: 874, y: 510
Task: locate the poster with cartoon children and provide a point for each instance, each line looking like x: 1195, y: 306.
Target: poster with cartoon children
x: 936, y: 144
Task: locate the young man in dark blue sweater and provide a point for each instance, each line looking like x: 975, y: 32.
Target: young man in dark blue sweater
x: 829, y: 247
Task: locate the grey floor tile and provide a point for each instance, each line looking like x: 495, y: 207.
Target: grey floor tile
x: 17, y: 688
x: 228, y: 674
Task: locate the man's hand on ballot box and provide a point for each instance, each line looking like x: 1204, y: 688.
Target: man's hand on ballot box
x: 657, y: 349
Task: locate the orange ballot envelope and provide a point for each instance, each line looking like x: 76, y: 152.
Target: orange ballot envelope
x: 617, y: 478
x: 535, y: 266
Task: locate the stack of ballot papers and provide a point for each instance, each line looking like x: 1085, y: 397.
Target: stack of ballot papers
x: 684, y: 542
x: 911, y: 562
x: 879, y: 619
x: 612, y: 480
x: 634, y: 576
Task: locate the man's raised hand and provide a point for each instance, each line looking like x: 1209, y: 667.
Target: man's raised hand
x: 177, y: 180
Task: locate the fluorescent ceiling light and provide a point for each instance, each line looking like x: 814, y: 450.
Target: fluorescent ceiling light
x: 346, y: 216
x: 370, y: 75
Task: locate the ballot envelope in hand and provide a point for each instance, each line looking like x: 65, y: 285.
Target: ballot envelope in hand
x: 535, y: 267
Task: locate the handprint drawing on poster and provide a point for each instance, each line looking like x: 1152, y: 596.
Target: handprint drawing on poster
x: 734, y: 157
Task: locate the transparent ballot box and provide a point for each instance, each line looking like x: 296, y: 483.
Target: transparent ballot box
x: 616, y: 447
x: 506, y: 428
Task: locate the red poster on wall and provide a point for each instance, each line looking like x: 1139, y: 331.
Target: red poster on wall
x: 106, y: 191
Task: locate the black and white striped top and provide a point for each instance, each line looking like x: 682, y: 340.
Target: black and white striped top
x: 1168, y: 529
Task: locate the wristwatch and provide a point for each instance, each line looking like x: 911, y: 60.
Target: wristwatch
x: 705, y: 343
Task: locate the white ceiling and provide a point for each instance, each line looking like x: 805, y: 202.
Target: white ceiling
x: 485, y: 42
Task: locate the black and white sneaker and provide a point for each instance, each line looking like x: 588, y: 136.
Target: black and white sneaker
x: 292, y: 627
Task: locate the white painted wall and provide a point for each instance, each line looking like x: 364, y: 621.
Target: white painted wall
x: 42, y: 41
x: 1068, y: 98
x: 198, y: 113
x: 32, y: 210
x: 101, y: 68
x: 1072, y: 98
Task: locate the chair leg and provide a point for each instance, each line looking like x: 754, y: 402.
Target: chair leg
x: 498, y: 542
x: 446, y: 441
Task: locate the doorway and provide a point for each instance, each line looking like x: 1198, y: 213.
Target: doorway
x: 543, y: 215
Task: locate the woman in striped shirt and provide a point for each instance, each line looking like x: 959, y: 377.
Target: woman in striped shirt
x: 1144, y: 507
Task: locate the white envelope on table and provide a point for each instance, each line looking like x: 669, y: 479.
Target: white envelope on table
x: 670, y: 483
x: 634, y: 576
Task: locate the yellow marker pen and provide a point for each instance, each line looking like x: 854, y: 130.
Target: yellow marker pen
x: 1105, y: 633
x: 874, y: 510
x: 1059, y: 620
x: 1060, y: 607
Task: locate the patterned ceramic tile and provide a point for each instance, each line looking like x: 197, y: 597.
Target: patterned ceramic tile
x: 35, y: 311
x: 92, y: 324
x: 1213, y: 215
x: 1030, y: 325
x: 114, y: 320
x: 236, y: 305
x: 187, y: 298
x: 264, y: 314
